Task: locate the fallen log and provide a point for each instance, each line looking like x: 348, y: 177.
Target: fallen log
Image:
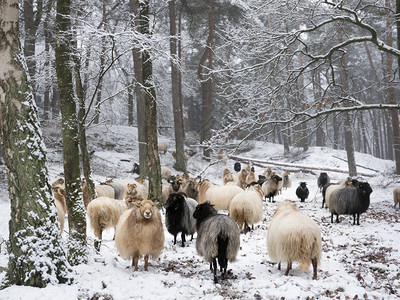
x: 306, y: 169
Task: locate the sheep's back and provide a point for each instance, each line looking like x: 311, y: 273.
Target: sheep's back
x: 210, y: 230
x: 247, y: 206
x: 346, y: 201
x: 221, y: 196
x: 105, y: 211
x: 293, y: 236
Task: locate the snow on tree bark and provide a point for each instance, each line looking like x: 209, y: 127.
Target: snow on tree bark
x: 77, y: 249
x: 36, y: 255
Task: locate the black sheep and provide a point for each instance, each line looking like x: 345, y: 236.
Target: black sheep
x: 302, y: 191
x: 179, y: 216
x: 237, y: 166
x: 350, y: 201
x: 322, y: 180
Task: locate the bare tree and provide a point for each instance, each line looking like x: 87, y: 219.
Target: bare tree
x: 180, y: 164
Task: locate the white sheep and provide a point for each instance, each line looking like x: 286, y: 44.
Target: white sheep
x: 270, y: 187
x: 219, y: 196
x: 228, y: 177
x: 162, y: 147
x: 166, y: 172
x: 103, y: 213
x: 396, y: 196
x: 246, y: 207
x: 251, y: 177
x: 286, y: 181
x: 268, y: 172
x: 294, y: 236
x: 140, y: 233
x: 186, y: 157
x: 61, y: 204
x: 242, y: 175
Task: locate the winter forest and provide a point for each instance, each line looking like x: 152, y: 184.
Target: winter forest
x: 156, y: 93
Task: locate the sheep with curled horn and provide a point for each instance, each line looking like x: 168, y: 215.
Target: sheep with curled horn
x: 218, y: 238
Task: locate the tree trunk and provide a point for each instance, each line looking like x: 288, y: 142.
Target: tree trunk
x: 180, y: 164
x: 36, y: 255
x: 80, y: 93
x: 184, y: 105
x: 31, y: 18
x: 140, y: 106
x: 348, y: 133
x: 77, y: 251
x: 96, y: 119
x: 206, y: 78
x: 391, y: 94
x: 153, y: 163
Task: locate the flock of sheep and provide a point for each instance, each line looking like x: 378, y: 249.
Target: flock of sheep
x: 191, y: 206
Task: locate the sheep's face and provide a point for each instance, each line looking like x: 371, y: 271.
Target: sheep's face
x: 59, y: 193
x: 226, y: 171
x: 175, y: 202
x: 131, y: 189
x: 59, y: 183
x: 365, y: 188
x: 147, y: 208
x: 176, y: 184
x: 276, y: 178
x: 303, y: 185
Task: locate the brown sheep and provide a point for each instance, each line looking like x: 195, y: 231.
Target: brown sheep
x: 140, y: 233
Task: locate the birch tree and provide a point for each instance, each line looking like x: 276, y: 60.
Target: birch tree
x: 36, y: 256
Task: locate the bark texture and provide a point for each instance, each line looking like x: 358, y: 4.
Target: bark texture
x: 36, y: 256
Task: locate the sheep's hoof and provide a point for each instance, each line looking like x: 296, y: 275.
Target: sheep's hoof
x: 97, y: 245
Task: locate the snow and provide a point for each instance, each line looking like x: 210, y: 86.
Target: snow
x: 357, y: 261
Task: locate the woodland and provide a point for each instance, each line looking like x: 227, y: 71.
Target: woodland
x: 296, y: 73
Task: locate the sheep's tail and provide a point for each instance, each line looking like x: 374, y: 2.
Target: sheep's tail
x: 222, y: 248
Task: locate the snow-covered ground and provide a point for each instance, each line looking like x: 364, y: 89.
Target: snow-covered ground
x: 357, y: 261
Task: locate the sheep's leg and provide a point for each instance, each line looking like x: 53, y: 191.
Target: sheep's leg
x: 279, y: 266
x: 288, y: 268
x: 191, y: 238
x: 211, y: 266
x: 331, y: 217
x: 358, y: 219
x: 97, y: 242
x: 146, y: 262
x: 337, y: 218
x: 215, y: 270
x: 135, y: 261
x: 183, y: 237
x: 314, y: 264
x: 174, y: 239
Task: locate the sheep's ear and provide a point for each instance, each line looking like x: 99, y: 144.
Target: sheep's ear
x: 155, y: 201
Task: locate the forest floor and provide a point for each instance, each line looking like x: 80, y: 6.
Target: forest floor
x: 357, y: 261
